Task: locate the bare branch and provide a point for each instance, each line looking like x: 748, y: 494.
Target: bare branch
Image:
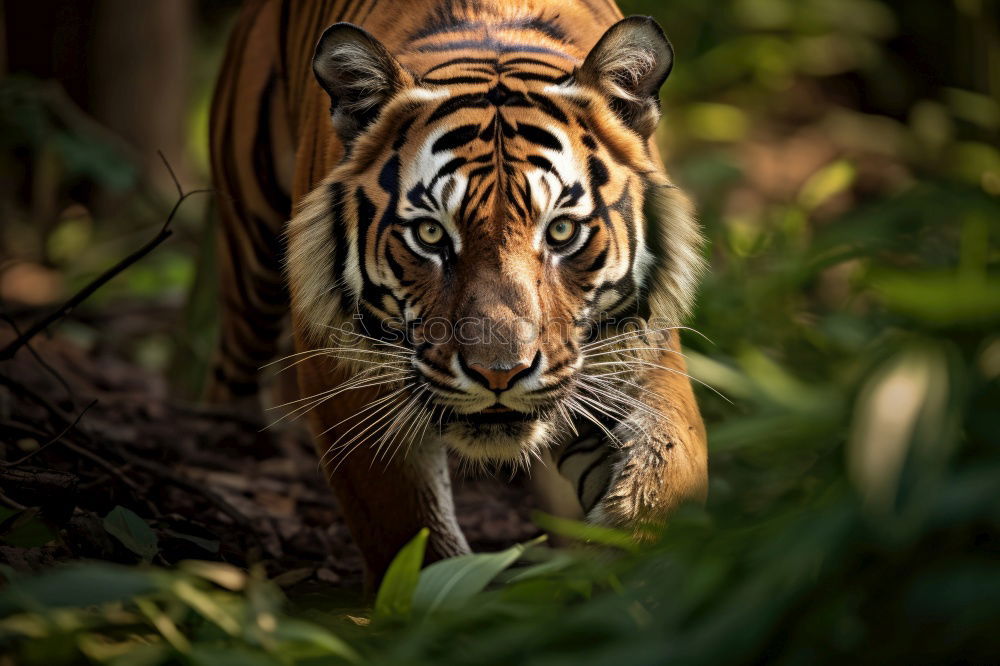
x: 165, y: 232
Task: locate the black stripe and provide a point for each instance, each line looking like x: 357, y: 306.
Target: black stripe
x: 338, y: 230
x: 456, y: 138
x: 457, y: 80
x: 538, y: 136
x: 417, y: 257
x: 599, y: 261
x: 547, y: 106
x: 540, y: 162
x: 401, y: 131
x: 582, y: 481
x: 395, y: 266
x: 448, y: 107
x: 533, y: 76
x: 434, y: 365
x: 597, y: 171
x: 532, y: 61
x: 462, y: 61
x: 576, y: 448
x: 583, y: 246
x: 450, y: 167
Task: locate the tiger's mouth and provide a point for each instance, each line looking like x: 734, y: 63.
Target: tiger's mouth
x: 496, y: 414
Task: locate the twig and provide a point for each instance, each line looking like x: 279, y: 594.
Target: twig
x: 85, y: 293
x: 215, y: 413
x: 173, y: 176
x: 149, y: 465
x: 11, y: 503
x: 41, y: 361
x: 117, y: 472
x: 26, y: 457
x: 19, y: 389
x: 178, y: 480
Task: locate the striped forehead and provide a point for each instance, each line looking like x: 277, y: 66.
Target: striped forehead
x: 454, y: 165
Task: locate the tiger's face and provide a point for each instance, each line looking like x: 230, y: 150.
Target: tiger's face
x: 486, y: 222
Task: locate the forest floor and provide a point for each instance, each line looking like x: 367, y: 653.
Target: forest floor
x: 83, y: 432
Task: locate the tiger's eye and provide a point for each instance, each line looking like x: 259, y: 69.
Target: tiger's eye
x: 430, y: 233
x: 561, y: 231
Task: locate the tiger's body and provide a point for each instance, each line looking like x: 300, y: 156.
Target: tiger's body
x: 476, y: 205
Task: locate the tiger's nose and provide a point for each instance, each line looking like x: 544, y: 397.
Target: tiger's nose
x: 497, y: 379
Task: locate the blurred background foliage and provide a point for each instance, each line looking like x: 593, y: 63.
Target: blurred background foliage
x: 844, y: 158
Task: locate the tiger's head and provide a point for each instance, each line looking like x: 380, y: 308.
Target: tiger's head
x: 492, y: 208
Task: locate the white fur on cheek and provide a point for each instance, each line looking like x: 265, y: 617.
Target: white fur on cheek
x: 316, y: 299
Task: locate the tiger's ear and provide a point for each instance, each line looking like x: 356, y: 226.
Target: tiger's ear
x: 358, y: 73
x: 628, y: 65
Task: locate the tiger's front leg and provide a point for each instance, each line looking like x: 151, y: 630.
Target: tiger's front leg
x: 661, y: 458
x: 385, y: 499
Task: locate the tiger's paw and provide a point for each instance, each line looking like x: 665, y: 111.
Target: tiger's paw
x: 649, y: 475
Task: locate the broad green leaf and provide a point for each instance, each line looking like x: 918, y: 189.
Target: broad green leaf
x: 596, y: 534
x: 206, y: 606
x: 300, y: 632
x: 223, y: 575
x: 559, y: 562
x: 451, y: 582
x: 395, y: 595
x: 133, y: 532
x: 81, y: 585
x: 164, y: 624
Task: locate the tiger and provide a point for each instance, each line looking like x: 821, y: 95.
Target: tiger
x: 460, y: 210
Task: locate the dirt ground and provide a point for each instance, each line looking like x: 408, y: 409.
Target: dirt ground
x: 82, y: 432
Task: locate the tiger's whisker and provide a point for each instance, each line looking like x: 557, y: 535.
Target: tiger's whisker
x: 336, y: 443
x: 641, y: 332
x: 644, y: 363
x: 359, y: 383
x: 369, y: 374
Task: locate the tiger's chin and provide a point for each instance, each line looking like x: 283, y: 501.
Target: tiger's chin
x: 514, y: 440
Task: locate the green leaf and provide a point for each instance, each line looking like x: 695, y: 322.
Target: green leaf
x: 26, y: 529
x: 451, y: 582
x: 306, y: 633
x: 209, y: 545
x: 826, y: 183
x: 142, y: 655
x: 574, y: 529
x: 395, y: 595
x: 206, y: 605
x: 83, y: 585
x: 939, y: 297
x: 133, y: 532
x: 557, y: 564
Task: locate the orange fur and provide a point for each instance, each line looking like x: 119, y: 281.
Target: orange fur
x: 492, y: 121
